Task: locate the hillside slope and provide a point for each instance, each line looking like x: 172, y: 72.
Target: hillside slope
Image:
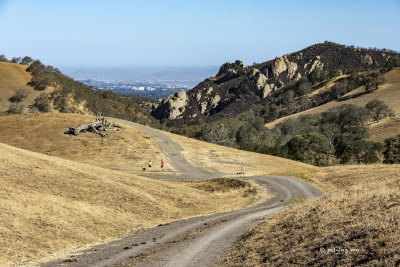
x: 388, y: 92
x: 12, y: 78
x: 44, y: 133
x: 230, y: 160
x: 49, y: 205
x: 63, y: 94
x: 237, y: 88
x: 384, y: 129
x: 127, y: 149
x: 356, y: 223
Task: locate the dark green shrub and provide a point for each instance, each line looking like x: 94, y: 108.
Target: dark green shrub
x: 310, y: 148
x: 16, y: 108
x: 42, y: 103
x: 392, y: 150
x: 350, y: 147
x: 378, y: 110
x: 19, y: 96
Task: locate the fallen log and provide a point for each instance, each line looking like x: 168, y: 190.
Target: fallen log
x: 99, y: 126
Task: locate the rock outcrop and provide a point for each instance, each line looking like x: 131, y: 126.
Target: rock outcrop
x: 236, y: 88
x: 171, y: 107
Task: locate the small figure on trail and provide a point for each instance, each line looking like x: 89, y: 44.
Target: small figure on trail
x: 162, y: 164
x: 150, y: 165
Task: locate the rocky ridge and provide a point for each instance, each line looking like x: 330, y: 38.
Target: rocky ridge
x: 236, y: 87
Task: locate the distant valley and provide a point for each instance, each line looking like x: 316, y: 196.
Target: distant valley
x: 151, y: 82
x: 151, y: 89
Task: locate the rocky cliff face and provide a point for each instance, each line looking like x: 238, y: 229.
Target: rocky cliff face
x: 236, y: 87
x: 171, y: 107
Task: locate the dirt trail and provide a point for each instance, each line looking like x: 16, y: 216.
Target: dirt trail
x: 198, y: 241
x: 172, y: 149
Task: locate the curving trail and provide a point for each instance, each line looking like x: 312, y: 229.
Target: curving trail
x: 198, y: 241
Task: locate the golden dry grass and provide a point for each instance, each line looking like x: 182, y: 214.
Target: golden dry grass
x: 44, y: 133
x: 384, y: 129
x: 328, y: 85
x: 230, y: 160
x: 389, y: 92
x: 12, y: 78
x: 356, y: 222
x: 49, y: 204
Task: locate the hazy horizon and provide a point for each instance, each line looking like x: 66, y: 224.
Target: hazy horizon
x: 190, y: 74
x: 176, y: 33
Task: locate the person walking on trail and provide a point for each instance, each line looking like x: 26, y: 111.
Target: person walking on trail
x: 150, y: 165
x: 162, y: 164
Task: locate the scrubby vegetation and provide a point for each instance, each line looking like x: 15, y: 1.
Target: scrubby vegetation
x: 392, y: 150
x: 338, y: 135
x: 297, y: 95
x: 16, y: 108
x: 335, y: 136
x: 42, y: 103
x: 19, y: 96
x: 69, y: 96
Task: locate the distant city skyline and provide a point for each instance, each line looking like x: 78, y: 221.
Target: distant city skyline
x: 180, y: 33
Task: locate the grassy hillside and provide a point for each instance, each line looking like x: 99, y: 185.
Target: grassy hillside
x: 232, y: 160
x: 12, y: 78
x: 44, y: 133
x: 388, y: 92
x: 52, y: 205
x: 63, y: 94
x: 126, y: 149
x: 384, y: 129
x: 359, y: 216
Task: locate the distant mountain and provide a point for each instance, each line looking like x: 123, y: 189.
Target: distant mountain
x: 188, y: 74
x: 237, y: 88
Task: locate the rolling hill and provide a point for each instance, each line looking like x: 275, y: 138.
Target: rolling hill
x: 62, y: 94
x: 61, y: 192
x: 388, y: 92
x: 237, y: 88
x: 53, y: 205
x: 12, y: 78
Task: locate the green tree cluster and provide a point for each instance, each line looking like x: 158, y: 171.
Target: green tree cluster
x: 378, y: 110
x: 19, y: 96
x: 312, y: 148
x: 392, y: 150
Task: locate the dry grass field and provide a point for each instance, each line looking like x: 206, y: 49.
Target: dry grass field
x: 328, y: 84
x: 356, y: 222
x: 384, y: 129
x: 230, y: 160
x: 389, y: 92
x: 44, y: 133
x: 52, y: 205
x: 12, y: 78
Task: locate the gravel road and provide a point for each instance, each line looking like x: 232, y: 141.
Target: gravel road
x: 198, y: 241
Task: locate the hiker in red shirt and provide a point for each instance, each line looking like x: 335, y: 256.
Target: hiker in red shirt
x: 162, y: 164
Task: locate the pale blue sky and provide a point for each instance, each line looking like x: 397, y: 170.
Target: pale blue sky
x: 187, y: 33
